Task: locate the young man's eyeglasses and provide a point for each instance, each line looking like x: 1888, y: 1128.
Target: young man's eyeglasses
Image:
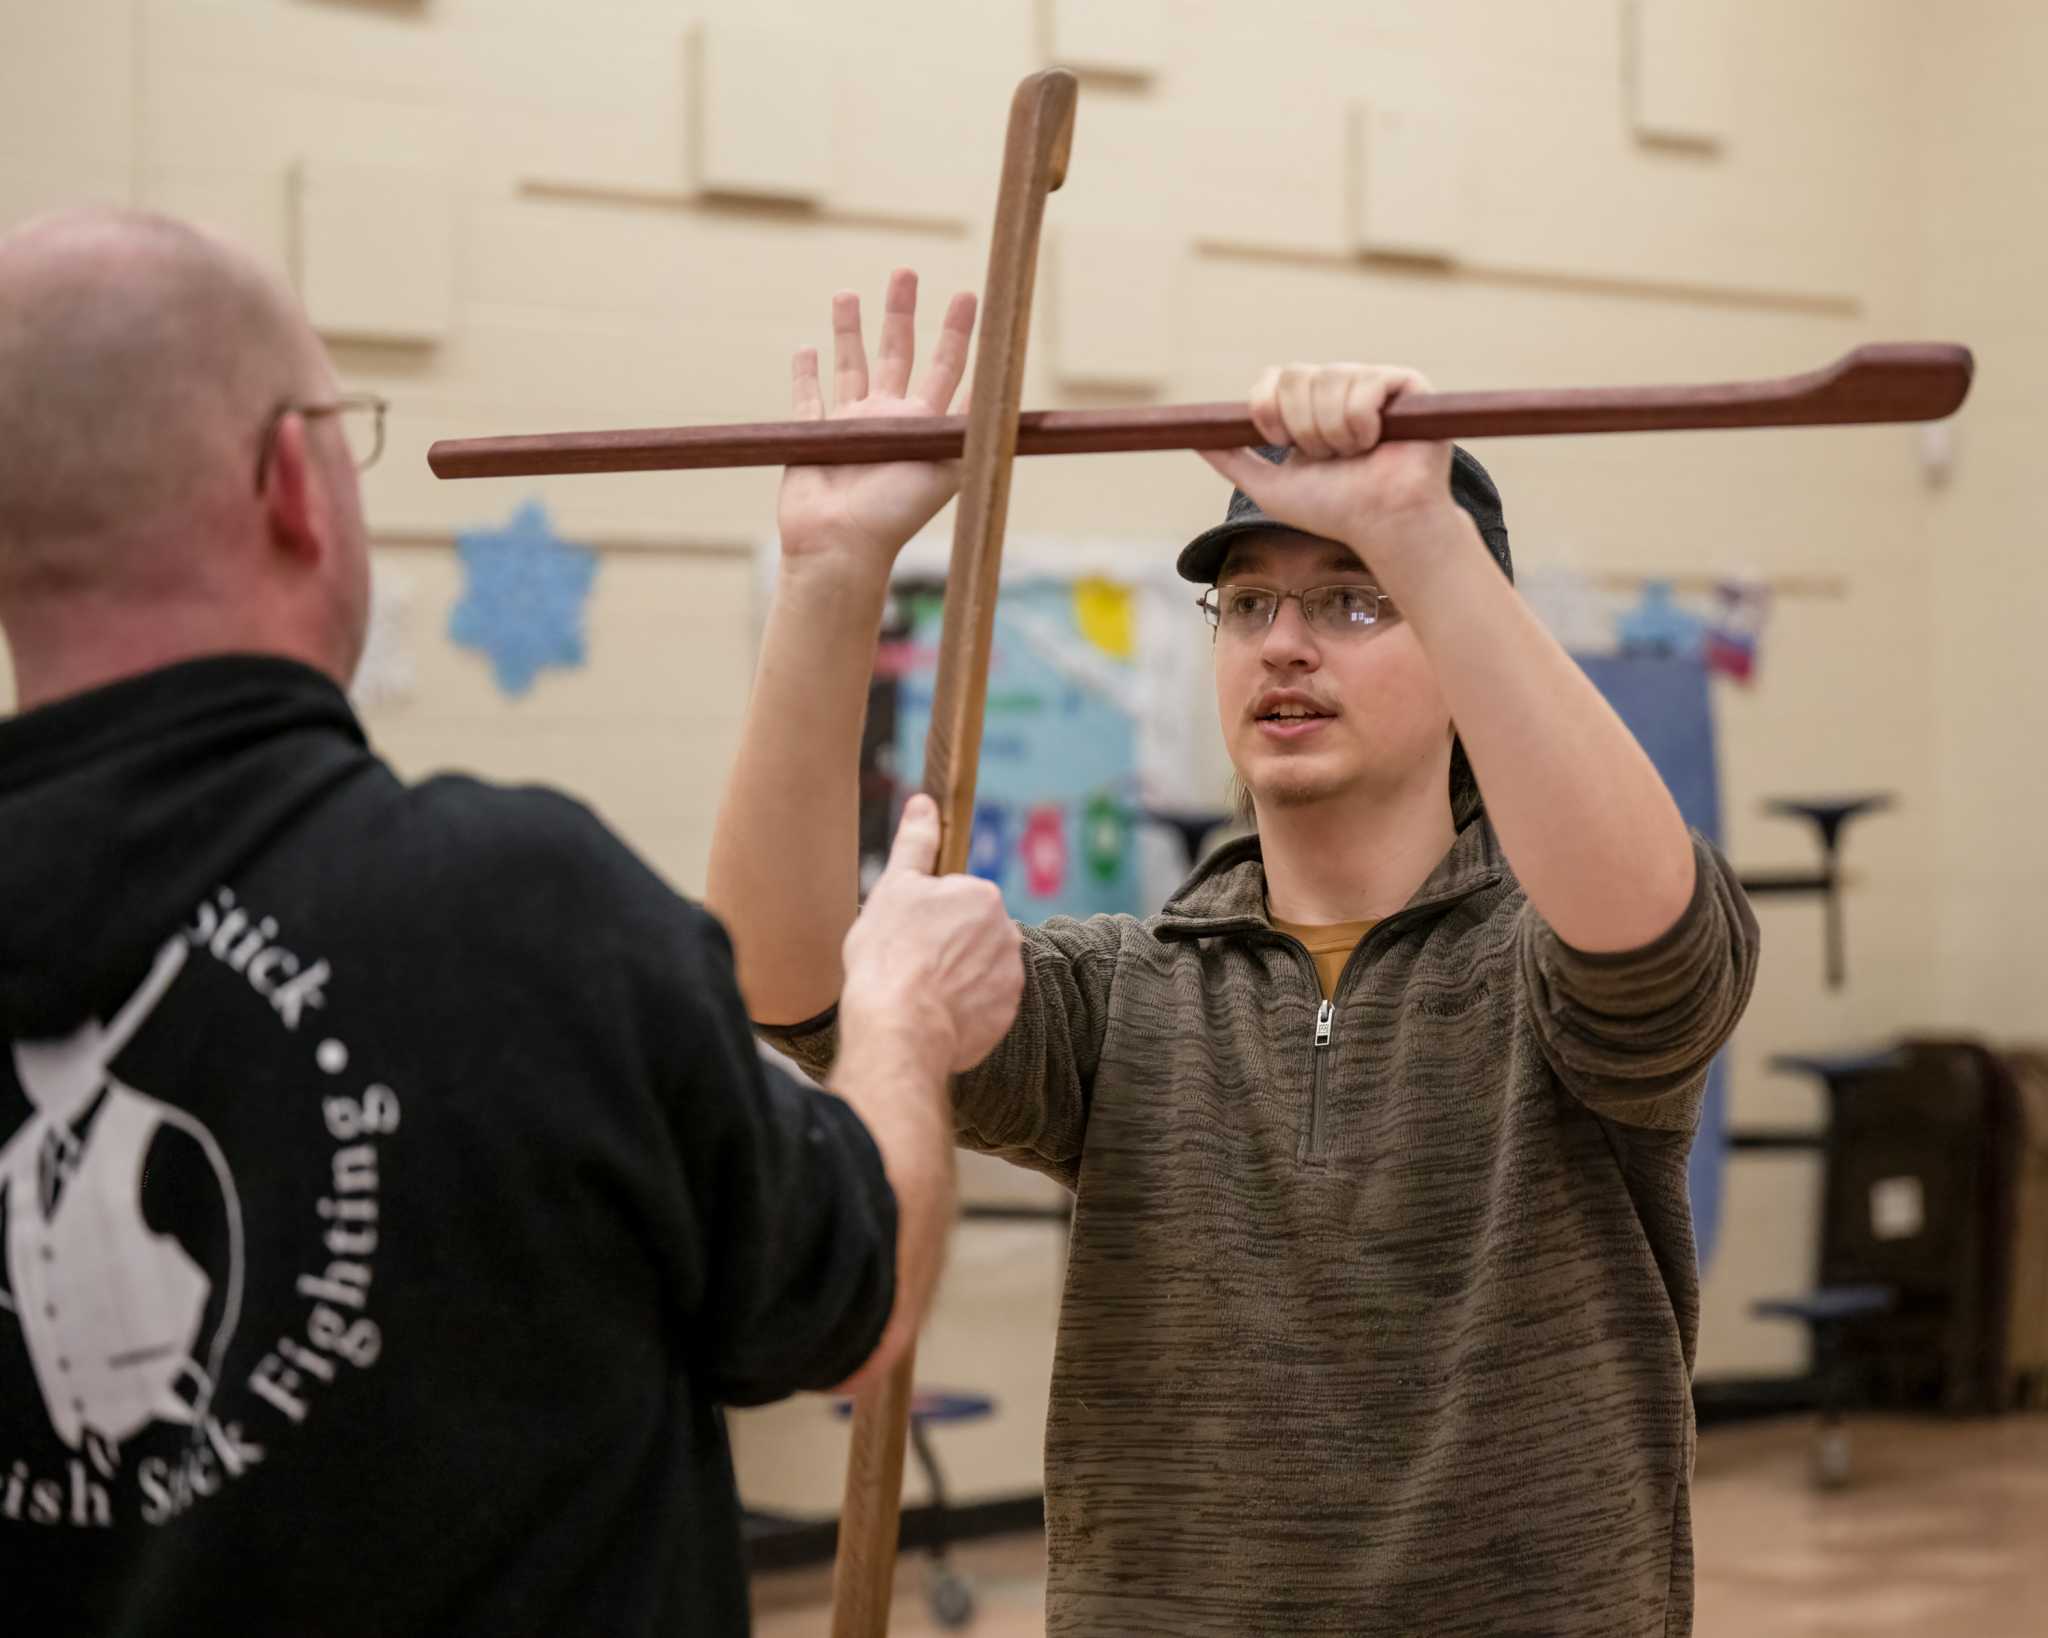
x: 1331, y: 611
x: 360, y: 414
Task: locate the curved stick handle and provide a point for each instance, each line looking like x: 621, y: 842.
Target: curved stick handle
x: 1903, y: 381
x: 1900, y: 381
x: 1034, y: 163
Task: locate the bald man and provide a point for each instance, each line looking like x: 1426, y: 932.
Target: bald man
x: 390, y: 1192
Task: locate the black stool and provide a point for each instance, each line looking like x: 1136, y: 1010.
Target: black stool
x: 952, y: 1600
x: 1190, y: 825
x: 1824, y: 1313
x: 1829, y: 820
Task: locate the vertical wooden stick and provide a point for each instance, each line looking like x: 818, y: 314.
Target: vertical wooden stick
x: 1034, y: 164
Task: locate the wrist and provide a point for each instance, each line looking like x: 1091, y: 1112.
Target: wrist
x: 816, y: 565
x: 1412, y: 552
x: 907, y: 1031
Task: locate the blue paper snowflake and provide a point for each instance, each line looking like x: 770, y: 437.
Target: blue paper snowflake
x: 522, y: 606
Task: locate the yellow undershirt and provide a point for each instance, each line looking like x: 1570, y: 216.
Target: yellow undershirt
x: 1330, y: 944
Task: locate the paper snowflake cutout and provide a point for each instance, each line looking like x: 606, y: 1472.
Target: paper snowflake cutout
x: 522, y: 604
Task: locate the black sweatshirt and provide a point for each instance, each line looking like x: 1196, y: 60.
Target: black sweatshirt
x: 390, y: 1192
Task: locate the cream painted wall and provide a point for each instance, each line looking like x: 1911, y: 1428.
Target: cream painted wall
x: 1984, y: 172
x: 541, y: 255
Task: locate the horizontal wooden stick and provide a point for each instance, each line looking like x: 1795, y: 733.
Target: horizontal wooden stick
x: 1891, y: 382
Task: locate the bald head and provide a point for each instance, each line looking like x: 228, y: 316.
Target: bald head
x: 138, y: 362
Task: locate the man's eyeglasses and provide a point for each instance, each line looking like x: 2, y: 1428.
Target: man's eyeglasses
x: 1331, y: 611
x: 361, y: 417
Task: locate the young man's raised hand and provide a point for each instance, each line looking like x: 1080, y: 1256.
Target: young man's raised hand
x: 1385, y: 501
x: 860, y: 516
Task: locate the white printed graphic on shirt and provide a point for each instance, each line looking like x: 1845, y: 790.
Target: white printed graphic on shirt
x: 109, y: 1310
x: 126, y: 1329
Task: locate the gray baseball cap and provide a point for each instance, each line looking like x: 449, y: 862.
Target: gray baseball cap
x: 1201, y: 560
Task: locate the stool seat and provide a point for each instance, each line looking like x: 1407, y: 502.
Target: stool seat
x: 938, y: 1405
x: 1833, y: 1067
x: 1824, y: 1311
x: 1828, y: 817
x: 1829, y: 1304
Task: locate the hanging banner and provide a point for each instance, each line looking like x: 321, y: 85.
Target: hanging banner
x: 1666, y: 703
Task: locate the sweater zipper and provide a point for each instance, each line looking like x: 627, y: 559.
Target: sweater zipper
x: 1325, y: 1028
x: 1326, y: 1025
x: 1325, y: 1031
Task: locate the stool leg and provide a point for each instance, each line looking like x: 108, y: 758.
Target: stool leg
x: 952, y: 1599
x: 928, y: 1464
x: 1831, y: 1437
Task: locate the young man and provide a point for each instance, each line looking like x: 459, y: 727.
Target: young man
x: 391, y: 1191
x: 1382, y: 1300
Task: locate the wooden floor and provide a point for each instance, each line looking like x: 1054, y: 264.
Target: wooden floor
x: 1942, y: 1532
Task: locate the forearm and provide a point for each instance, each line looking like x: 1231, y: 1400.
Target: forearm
x: 1584, y: 818
x: 903, y: 1103
x: 785, y: 866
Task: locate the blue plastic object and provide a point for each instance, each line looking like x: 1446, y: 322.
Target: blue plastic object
x: 933, y: 1405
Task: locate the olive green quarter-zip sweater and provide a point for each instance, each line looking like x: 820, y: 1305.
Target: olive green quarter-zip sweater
x: 1380, y: 1314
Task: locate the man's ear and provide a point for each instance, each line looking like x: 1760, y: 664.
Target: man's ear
x: 291, y: 490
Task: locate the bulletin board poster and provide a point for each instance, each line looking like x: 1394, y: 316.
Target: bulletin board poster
x: 1054, y: 819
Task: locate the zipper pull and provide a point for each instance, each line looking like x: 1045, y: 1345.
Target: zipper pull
x: 1325, y: 1017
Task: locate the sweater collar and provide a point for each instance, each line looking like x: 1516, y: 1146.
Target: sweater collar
x: 1227, y: 893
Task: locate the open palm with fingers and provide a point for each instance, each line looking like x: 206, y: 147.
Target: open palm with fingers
x: 870, y: 511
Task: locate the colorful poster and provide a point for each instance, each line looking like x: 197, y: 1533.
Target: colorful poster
x: 1054, y: 823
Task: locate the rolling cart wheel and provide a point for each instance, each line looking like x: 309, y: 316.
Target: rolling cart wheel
x: 952, y: 1598
x: 1831, y: 1458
